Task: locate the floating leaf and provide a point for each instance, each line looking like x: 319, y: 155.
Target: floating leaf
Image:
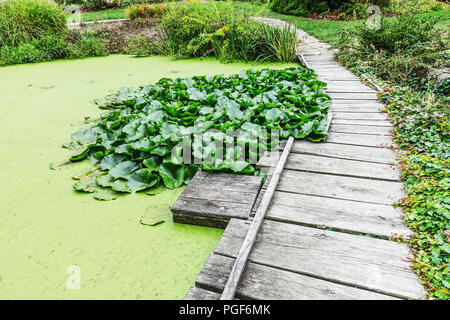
x: 142, y: 179
x: 123, y: 169
x: 105, y: 194
x: 172, y: 174
x: 85, y: 185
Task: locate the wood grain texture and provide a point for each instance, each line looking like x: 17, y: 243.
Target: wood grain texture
x: 344, y: 167
x: 340, y: 187
x: 366, y: 108
x: 353, y: 95
x: 195, y: 293
x: 360, y: 139
x: 373, y: 123
x: 250, y: 238
x: 266, y: 283
x: 340, y: 151
x: 346, y: 128
x: 349, y: 216
x: 360, y: 116
x: 368, y: 263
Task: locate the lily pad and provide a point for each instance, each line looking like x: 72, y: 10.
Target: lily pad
x: 152, y: 217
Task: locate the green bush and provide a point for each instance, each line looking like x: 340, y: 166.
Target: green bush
x: 140, y: 46
x: 145, y: 11
x: 22, y: 21
x: 398, y: 33
x: 88, y: 44
x: 199, y: 30
x: 306, y: 7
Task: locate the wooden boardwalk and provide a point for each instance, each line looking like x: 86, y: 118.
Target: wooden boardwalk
x: 346, y: 184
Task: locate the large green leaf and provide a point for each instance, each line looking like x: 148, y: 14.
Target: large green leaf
x: 123, y: 170
x: 172, y: 174
x: 141, y: 180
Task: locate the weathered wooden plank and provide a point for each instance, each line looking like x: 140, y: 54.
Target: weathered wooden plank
x: 195, y: 293
x: 213, y: 193
x: 349, y: 216
x: 345, y: 128
x: 319, y: 57
x: 351, y: 168
x: 336, y: 77
x: 345, y: 89
x: 360, y: 116
x: 378, y: 123
x: 364, y: 262
x: 340, y: 187
x: 211, y: 208
x: 359, y: 139
x: 260, y: 282
x: 356, y: 108
x: 377, y: 155
x: 250, y: 238
x: 235, y: 179
x: 359, y: 102
x: 353, y: 96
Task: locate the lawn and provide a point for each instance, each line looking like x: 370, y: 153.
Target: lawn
x: 325, y: 30
x: 47, y: 227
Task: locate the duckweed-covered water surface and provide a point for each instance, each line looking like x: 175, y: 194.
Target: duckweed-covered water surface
x: 49, y: 232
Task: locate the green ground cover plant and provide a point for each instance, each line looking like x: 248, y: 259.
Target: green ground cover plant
x: 139, y: 144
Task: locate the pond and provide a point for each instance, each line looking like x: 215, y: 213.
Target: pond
x: 50, y: 234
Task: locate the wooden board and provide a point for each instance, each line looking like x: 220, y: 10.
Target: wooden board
x: 266, y: 283
x: 368, y: 263
x: 369, y: 154
x: 322, y: 164
x: 195, y: 293
x: 359, y: 116
x: 335, y: 108
x: 212, y: 199
x: 360, y: 139
x: 340, y: 187
x: 366, y: 96
x: 377, y: 123
x: 346, y: 128
x: 349, y: 216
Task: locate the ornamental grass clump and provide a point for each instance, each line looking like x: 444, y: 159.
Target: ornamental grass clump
x: 163, y: 134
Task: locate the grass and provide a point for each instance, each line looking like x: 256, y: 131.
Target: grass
x: 325, y: 30
x: 109, y: 14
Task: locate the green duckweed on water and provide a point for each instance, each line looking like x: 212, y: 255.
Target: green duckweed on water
x: 46, y: 227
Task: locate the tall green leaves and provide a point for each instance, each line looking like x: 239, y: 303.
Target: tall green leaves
x: 165, y: 133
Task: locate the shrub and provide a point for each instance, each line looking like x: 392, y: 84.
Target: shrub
x: 23, y: 53
x: 145, y: 11
x: 140, y: 46
x: 397, y: 33
x: 22, y: 21
x: 88, y: 44
x: 197, y: 30
x: 306, y: 7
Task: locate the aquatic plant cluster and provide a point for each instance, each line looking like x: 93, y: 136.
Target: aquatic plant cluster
x: 141, y: 142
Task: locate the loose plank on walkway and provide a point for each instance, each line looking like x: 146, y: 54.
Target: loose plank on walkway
x: 368, y: 263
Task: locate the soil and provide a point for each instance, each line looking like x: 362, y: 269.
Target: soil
x: 117, y: 32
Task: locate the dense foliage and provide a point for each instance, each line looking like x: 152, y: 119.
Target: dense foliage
x: 407, y: 50
x: 140, y: 143
x: 144, y: 11
x: 352, y: 8
x: 228, y: 34
x: 422, y: 128
x: 404, y: 52
x: 36, y: 31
